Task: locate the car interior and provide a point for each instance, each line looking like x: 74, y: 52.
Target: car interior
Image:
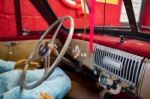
x: 102, y: 45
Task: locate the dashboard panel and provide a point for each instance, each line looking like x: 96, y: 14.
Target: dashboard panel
x: 19, y: 49
x: 79, y: 50
x: 119, y: 70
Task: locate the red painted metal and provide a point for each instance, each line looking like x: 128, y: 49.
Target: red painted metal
x: 31, y: 19
x: 145, y: 19
x: 130, y: 45
x: 112, y: 13
x: 7, y: 26
x: 7, y: 19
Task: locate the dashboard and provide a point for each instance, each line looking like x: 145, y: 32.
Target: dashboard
x: 79, y: 50
x: 118, y: 70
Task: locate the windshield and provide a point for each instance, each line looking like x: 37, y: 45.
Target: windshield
x: 112, y: 17
x: 109, y: 14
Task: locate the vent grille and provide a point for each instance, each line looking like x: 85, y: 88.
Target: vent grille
x: 125, y: 66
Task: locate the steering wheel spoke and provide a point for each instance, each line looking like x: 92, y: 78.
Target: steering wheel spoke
x: 34, y: 58
x: 56, y: 31
x: 46, y: 62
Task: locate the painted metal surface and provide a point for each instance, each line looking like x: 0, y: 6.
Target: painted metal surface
x: 130, y: 45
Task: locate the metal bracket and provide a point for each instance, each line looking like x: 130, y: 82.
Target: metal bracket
x: 11, y: 45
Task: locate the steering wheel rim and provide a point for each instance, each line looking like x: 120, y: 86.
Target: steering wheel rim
x: 23, y: 84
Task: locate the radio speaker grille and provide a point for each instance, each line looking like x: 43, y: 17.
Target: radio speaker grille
x: 125, y: 66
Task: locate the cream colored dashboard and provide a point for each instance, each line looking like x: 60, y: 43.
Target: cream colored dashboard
x: 79, y: 50
x: 97, y: 61
x: 16, y: 50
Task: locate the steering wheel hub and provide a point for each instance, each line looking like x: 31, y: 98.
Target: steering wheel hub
x: 44, y: 49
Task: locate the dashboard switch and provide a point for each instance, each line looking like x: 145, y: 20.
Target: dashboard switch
x: 76, y: 51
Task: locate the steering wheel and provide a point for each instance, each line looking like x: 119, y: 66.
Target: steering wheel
x: 44, y: 51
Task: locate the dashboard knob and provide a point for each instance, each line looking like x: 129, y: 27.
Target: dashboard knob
x: 108, y: 87
x: 114, y: 86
